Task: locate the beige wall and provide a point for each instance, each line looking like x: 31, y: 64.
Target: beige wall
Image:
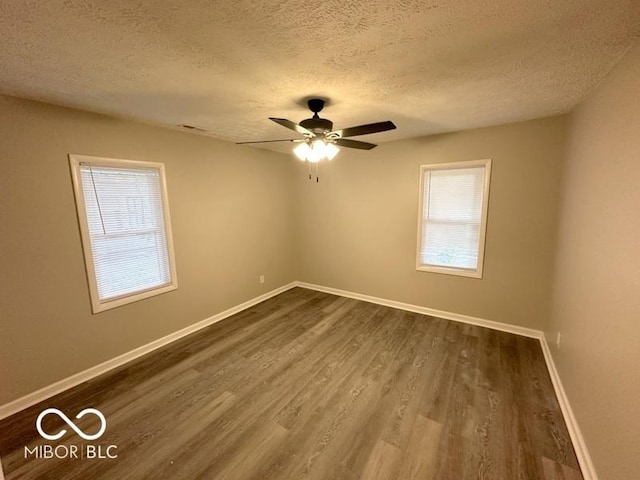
x: 596, y: 303
x: 357, y: 227
x: 231, y: 216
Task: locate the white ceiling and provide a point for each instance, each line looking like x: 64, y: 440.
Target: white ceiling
x: 430, y: 66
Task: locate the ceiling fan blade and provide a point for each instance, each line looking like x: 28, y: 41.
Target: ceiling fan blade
x: 292, y: 126
x: 271, y: 141
x: 364, y: 129
x: 343, y: 142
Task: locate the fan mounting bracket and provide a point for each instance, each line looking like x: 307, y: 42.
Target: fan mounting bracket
x: 315, y: 105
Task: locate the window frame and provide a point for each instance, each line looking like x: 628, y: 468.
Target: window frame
x: 98, y: 305
x: 458, y: 271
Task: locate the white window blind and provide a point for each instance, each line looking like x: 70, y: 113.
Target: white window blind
x: 124, y: 221
x: 453, y: 216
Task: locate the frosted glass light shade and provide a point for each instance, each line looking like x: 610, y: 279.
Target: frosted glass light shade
x: 302, y: 151
x: 331, y: 151
x: 318, y: 148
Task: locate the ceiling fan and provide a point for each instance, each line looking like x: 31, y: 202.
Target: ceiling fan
x: 319, y: 140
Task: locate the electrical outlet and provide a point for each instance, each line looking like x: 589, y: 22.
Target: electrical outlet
x: 558, y: 337
x: 261, y: 278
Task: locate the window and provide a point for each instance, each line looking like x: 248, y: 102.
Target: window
x: 453, y: 217
x: 126, y: 234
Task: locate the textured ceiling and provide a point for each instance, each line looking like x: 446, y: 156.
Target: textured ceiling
x: 227, y: 65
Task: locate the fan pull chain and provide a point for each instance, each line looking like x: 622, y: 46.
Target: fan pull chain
x: 311, y: 170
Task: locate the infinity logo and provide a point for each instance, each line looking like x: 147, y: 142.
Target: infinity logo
x: 97, y: 413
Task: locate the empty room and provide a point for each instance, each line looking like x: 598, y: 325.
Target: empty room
x: 334, y: 240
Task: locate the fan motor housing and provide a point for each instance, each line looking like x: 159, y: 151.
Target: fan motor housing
x: 317, y: 125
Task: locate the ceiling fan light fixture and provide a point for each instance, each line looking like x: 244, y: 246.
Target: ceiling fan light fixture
x: 315, y: 151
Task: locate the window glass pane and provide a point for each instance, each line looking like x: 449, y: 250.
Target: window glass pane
x: 125, y: 219
x: 129, y: 263
x: 451, y: 221
x: 451, y: 245
x: 455, y: 195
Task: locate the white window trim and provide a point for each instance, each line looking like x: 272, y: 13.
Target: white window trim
x: 75, y: 161
x: 463, y: 272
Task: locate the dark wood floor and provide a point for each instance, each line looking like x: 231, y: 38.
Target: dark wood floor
x: 315, y: 386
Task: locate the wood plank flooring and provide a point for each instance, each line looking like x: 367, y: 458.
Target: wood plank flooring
x: 308, y: 385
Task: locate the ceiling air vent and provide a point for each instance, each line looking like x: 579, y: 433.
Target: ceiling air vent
x: 191, y: 127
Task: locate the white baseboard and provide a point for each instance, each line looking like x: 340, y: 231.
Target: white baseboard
x: 579, y: 445
x: 481, y: 322
x: 30, y: 399
x: 577, y: 439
